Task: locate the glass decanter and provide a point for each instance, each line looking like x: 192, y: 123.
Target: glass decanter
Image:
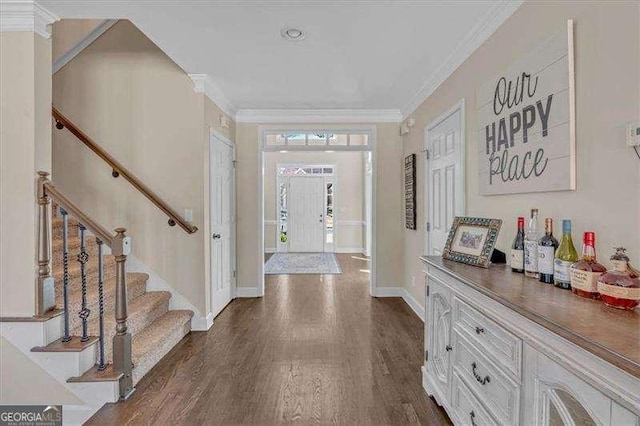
x: 620, y: 287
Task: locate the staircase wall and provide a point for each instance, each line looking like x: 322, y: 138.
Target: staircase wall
x: 126, y: 94
x: 25, y: 148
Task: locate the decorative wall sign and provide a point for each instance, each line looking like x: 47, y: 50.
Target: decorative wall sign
x: 526, y: 118
x: 410, y: 191
x: 471, y: 240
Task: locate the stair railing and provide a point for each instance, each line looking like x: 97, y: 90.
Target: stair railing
x: 120, y: 246
x: 119, y: 170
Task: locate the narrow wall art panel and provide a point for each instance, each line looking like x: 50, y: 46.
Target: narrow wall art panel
x: 526, y: 118
x: 410, y: 191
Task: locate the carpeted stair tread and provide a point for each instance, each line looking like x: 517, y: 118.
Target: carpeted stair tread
x: 91, y: 269
x: 155, y: 341
x: 136, y: 286
x: 142, y: 311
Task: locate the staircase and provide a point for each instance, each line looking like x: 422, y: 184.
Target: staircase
x: 97, y: 329
x: 154, y: 329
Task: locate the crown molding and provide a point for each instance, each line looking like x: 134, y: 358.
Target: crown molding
x: 83, y: 44
x: 26, y: 15
x: 318, y: 116
x: 473, y: 40
x: 203, y: 84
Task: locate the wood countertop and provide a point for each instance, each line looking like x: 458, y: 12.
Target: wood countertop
x: 609, y: 333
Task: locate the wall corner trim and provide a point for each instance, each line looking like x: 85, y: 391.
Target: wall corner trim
x: 83, y: 44
x: 202, y: 83
x: 296, y: 116
x: 491, y: 21
x: 26, y: 15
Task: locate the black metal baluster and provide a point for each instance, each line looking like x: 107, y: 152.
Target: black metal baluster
x: 101, y: 364
x: 82, y: 258
x: 65, y: 269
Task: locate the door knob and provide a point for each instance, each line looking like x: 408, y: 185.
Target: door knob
x: 216, y: 236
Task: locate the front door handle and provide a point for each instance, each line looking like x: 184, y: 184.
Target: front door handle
x: 216, y: 236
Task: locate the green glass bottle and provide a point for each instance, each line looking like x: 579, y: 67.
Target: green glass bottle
x: 566, y: 255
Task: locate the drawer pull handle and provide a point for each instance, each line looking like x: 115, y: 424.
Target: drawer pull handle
x: 479, y: 330
x: 448, y: 348
x: 472, y: 414
x: 481, y: 380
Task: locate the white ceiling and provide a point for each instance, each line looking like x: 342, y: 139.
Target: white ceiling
x: 357, y: 54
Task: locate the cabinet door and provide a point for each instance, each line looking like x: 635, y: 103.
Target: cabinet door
x: 438, y: 329
x: 558, y: 397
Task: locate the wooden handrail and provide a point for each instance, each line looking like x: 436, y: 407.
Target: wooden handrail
x: 98, y: 230
x: 174, y: 217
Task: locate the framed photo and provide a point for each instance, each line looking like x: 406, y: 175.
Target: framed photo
x: 410, y: 191
x: 471, y: 240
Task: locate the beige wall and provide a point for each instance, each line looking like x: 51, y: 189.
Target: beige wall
x: 67, y: 33
x: 139, y: 106
x: 607, y: 54
x: 388, y: 207
x: 25, y: 148
x: 349, y: 193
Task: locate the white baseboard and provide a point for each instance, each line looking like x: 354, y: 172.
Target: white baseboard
x: 408, y: 298
x: 413, y: 304
x: 199, y: 322
x: 248, y: 292
x: 354, y: 250
x: 389, y: 292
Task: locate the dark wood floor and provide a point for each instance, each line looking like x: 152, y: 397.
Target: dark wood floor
x: 315, y: 349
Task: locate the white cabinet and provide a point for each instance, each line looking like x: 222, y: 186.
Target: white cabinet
x: 488, y: 364
x: 438, y: 338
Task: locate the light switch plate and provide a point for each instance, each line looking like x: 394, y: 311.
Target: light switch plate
x: 188, y: 215
x: 633, y: 134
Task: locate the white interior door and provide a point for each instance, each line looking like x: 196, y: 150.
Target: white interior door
x: 222, y: 224
x: 306, y: 214
x: 444, y: 176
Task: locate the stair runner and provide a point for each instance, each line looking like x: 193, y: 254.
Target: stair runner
x: 155, y: 330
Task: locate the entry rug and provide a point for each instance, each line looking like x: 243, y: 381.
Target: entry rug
x: 302, y: 263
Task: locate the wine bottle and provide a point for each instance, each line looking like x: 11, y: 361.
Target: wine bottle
x: 546, y: 253
x: 531, y: 246
x: 566, y: 255
x: 586, y: 271
x: 517, y: 249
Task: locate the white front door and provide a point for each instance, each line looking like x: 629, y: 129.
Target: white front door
x: 222, y: 224
x: 306, y: 214
x: 444, y: 177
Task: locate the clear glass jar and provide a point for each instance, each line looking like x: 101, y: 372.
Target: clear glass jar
x: 620, y: 287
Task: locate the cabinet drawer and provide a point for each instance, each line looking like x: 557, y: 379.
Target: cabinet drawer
x: 490, y: 383
x: 503, y: 347
x: 466, y: 407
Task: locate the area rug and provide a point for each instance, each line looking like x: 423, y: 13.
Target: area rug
x: 302, y: 263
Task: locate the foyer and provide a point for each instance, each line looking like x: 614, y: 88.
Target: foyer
x: 315, y: 349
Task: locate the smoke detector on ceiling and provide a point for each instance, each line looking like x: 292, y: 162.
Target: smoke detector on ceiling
x: 292, y: 34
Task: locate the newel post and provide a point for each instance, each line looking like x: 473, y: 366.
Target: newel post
x: 121, y: 247
x: 45, y: 288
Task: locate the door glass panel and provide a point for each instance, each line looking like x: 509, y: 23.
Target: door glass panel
x: 296, y: 139
x: 329, y: 215
x: 283, y: 213
x: 317, y: 139
x: 358, y: 140
x: 337, y: 139
x: 275, y: 140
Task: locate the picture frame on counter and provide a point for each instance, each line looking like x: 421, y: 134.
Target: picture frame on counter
x: 471, y: 240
